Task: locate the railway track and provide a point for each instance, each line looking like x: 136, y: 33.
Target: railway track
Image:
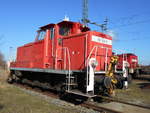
x: 86, y: 104
x: 123, y: 102
x: 39, y: 90
x: 99, y: 108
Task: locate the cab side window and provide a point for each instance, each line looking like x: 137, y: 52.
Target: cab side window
x: 41, y: 34
x: 51, y: 33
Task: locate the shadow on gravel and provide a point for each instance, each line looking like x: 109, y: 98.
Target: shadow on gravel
x: 74, y: 99
x: 77, y: 100
x: 1, y: 106
x: 143, y: 78
x: 144, y: 85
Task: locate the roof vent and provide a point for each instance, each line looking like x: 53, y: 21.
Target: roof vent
x: 66, y: 18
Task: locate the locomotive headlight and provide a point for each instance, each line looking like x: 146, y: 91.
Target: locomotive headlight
x: 93, y: 62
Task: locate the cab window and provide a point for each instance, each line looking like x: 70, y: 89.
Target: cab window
x: 51, y: 33
x: 41, y: 34
x: 64, y: 30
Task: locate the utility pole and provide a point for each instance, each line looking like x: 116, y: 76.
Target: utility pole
x: 104, y: 26
x: 85, y: 19
x: 85, y: 12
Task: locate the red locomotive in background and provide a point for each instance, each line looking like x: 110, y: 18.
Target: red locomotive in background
x: 132, y: 60
x: 67, y: 57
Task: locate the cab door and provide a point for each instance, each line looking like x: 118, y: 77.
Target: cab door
x: 49, y: 48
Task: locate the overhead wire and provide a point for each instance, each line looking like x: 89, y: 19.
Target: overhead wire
x: 130, y: 21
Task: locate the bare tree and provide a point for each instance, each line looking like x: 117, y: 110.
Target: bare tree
x: 2, y: 61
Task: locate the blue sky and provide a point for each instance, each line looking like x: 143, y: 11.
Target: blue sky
x: 129, y: 21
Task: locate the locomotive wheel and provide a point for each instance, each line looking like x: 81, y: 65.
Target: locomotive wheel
x: 10, y: 80
x: 129, y: 79
x: 119, y: 84
x: 62, y: 92
x: 107, y: 82
x: 106, y: 92
x: 137, y: 73
x: 109, y: 87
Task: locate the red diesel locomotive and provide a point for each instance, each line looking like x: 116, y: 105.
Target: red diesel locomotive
x: 132, y: 60
x: 66, y: 56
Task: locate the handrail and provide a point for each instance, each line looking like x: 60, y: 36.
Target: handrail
x: 95, y: 52
x: 65, y: 62
x: 69, y: 68
x: 95, y: 47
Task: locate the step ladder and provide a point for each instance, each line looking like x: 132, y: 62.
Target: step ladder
x: 71, y: 82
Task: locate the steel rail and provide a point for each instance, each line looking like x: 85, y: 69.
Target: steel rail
x: 99, y: 108
x: 123, y: 102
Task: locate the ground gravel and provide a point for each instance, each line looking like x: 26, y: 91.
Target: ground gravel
x: 58, y: 102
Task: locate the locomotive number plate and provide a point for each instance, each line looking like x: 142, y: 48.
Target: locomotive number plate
x: 101, y: 40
